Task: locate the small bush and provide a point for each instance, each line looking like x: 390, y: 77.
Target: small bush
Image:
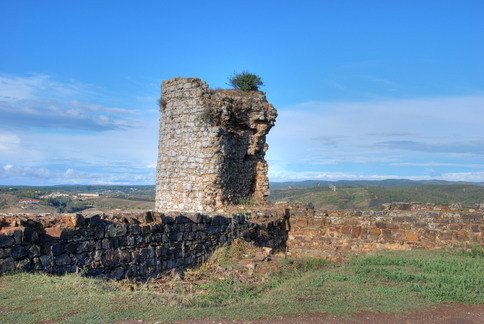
x: 475, y: 251
x: 246, y: 81
x: 207, y: 116
x: 246, y: 201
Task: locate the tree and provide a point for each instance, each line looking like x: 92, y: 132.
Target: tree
x: 246, y: 81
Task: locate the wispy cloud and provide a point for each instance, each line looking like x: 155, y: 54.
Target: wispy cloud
x: 41, y: 102
x: 471, y: 147
x: 47, y: 176
x: 58, y: 132
x: 389, y: 138
x: 389, y: 134
x: 10, y: 170
x: 438, y: 164
x: 284, y: 175
x: 363, y: 85
x: 8, y: 141
x: 18, y: 88
x: 312, y: 140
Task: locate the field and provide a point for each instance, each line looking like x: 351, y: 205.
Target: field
x: 348, y: 195
x: 373, y: 196
x: 229, y: 286
x: 69, y: 199
x: 241, y: 281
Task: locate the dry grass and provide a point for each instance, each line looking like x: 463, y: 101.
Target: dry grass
x: 225, y: 288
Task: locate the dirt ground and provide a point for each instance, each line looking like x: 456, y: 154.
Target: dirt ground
x: 442, y: 314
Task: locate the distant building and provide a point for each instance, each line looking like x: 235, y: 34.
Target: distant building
x: 24, y: 202
x: 54, y: 195
x: 88, y: 195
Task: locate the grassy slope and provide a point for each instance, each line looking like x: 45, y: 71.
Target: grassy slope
x: 388, y: 282
x: 325, y: 198
x: 357, y: 198
x: 8, y: 203
x: 121, y: 203
x: 466, y: 195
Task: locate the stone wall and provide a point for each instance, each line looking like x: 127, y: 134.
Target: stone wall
x: 130, y: 246
x: 212, y: 147
x: 396, y: 227
x: 150, y: 244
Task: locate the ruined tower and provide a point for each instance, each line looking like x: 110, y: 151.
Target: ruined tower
x: 212, y: 146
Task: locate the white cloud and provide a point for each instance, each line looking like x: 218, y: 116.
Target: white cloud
x: 464, y: 176
x: 8, y: 141
x: 22, y: 175
x: 69, y: 172
x: 438, y: 164
x: 278, y: 175
x: 443, y: 132
x: 42, y: 102
x: 16, y: 88
x: 151, y: 165
x: 11, y: 171
x: 67, y: 136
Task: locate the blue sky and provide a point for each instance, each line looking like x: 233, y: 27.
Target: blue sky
x: 364, y: 89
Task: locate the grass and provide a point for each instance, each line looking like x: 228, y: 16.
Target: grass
x: 384, y: 282
x: 372, y: 196
x: 322, y: 197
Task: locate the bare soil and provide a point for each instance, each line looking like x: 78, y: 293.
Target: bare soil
x: 442, y: 314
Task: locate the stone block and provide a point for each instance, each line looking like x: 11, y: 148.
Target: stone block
x: 34, y: 250
x: 54, y: 232
x: 30, y: 235
x: 411, y: 236
x: 375, y: 231
x: 6, y: 241
x: 96, y: 221
x: 23, y: 265
x: 57, y: 249
x: 62, y: 260
x: 116, y: 230
x: 85, y: 246
x: 7, y: 264
x: 19, y: 252
x: 46, y: 261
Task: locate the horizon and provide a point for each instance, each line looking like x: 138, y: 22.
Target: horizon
x: 426, y: 182
x: 364, y: 91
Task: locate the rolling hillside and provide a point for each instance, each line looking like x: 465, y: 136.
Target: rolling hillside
x: 373, y: 196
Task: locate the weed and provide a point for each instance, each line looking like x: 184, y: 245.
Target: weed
x: 246, y: 201
x: 475, y: 251
x: 246, y: 81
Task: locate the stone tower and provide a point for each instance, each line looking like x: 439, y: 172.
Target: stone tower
x: 212, y: 146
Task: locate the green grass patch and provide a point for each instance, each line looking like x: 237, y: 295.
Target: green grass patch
x: 384, y: 282
x: 374, y: 196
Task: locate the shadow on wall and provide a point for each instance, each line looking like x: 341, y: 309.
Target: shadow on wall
x: 140, y: 247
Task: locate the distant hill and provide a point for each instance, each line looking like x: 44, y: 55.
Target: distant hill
x: 68, y: 198
x: 388, y: 183
x: 359, y: 194
x: 371, y: 194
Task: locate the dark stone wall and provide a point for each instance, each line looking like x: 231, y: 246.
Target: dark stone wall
x: 139, y: 247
